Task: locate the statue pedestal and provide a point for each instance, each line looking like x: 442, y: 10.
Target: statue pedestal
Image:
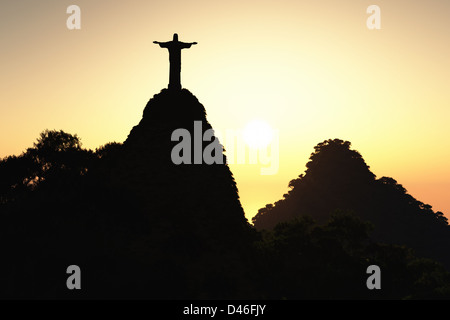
x: 174, y: 87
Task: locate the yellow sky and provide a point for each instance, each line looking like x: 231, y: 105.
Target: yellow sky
x: 311, y: 69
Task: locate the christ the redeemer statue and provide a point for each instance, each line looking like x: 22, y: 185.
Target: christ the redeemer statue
x: 174, y: 48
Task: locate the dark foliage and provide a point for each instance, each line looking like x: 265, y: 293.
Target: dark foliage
x: 140, y: 226
x: 304, y: 260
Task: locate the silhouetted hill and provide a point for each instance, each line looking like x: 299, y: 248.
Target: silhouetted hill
x: 187, y: 192
x: 138, y: 225
x: 338, y: 178
x: 193, y: 210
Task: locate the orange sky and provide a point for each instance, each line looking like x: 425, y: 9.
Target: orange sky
x: 312, y: 70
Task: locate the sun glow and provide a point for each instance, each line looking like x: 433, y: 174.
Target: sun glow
x: 258, y: 134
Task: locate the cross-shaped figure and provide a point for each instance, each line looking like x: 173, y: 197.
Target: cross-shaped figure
x: 174, y: 48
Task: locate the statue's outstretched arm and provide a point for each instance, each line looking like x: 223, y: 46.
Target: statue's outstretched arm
x: 187, y: 44
x: 161, y: 44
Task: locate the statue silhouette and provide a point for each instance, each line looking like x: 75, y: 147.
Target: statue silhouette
x: 174, y: 48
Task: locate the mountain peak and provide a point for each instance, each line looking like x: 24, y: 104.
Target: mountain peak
x: 337, y: 178
x: 333, y: 159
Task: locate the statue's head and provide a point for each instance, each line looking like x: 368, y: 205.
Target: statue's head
x: 175, y: 37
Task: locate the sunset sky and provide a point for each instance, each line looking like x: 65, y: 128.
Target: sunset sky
x: 311, y: 70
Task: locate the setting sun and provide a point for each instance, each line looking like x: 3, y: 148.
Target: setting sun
x: 257, y: 134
